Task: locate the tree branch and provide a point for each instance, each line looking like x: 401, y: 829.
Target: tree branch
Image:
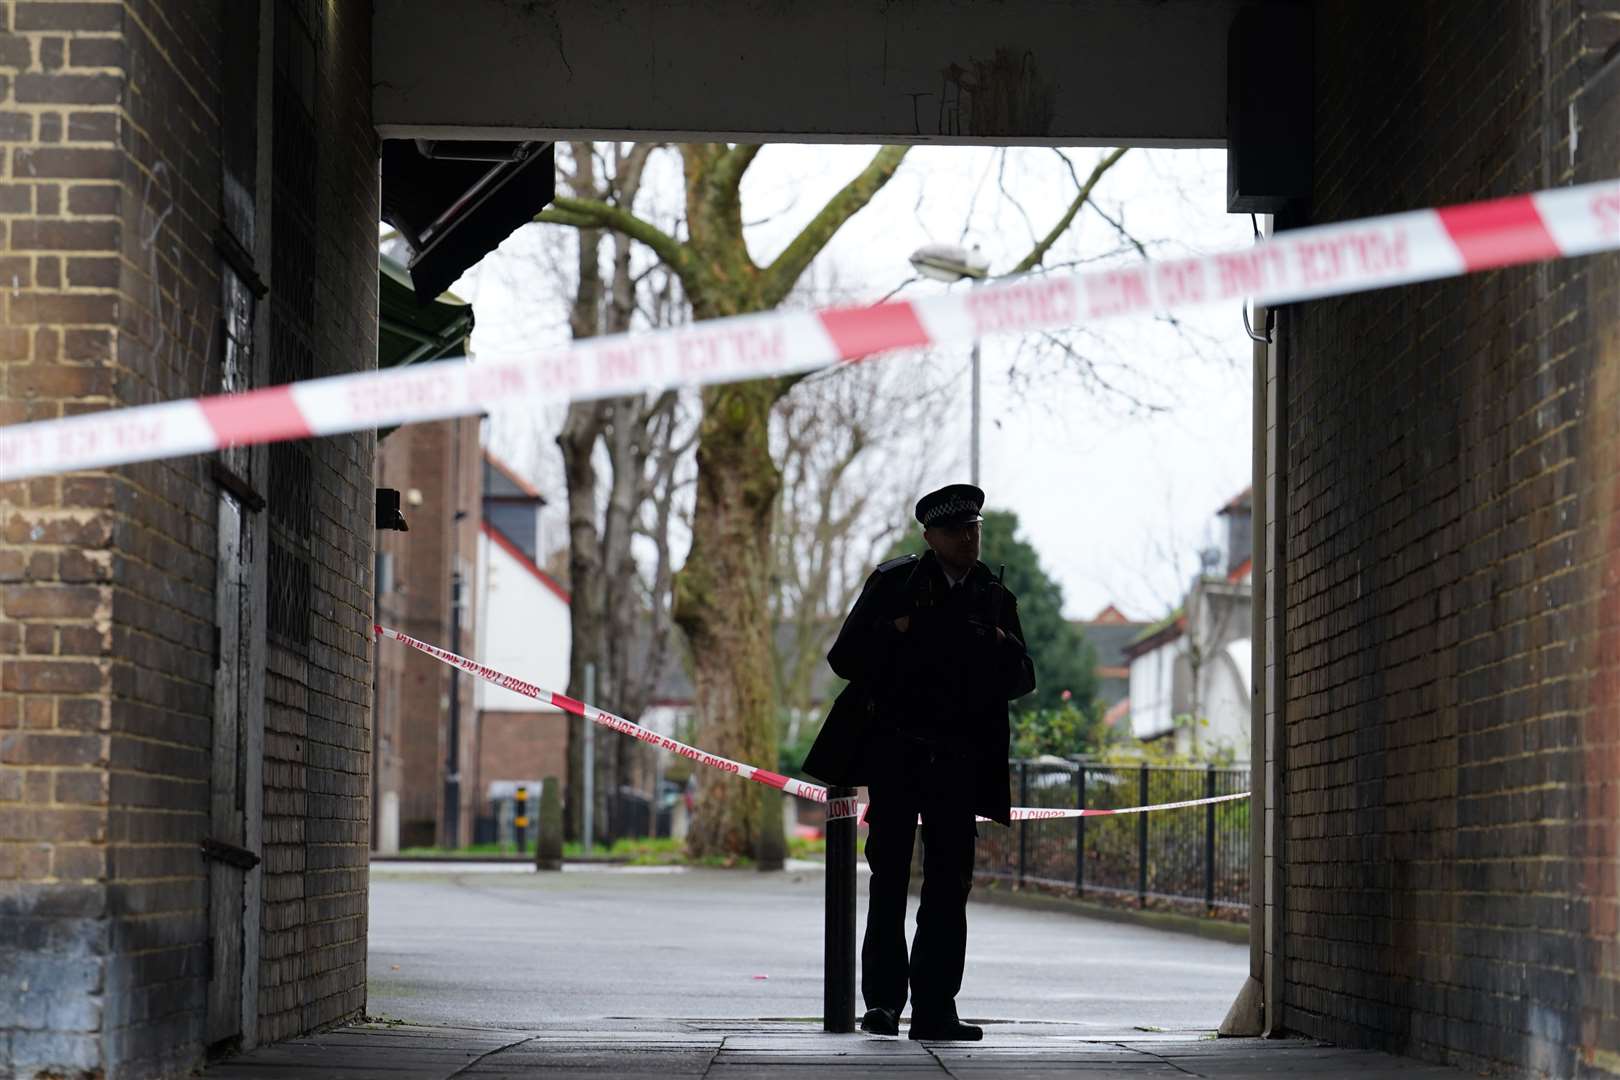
x: 782, y: 274
x: 592, y: 213
x: 1038, y: 252
x: 1119, y: 227
x: 553, y: 216
x: 727, y: 171
x: 1091, y: 370
x: 1001, y: 182
x: 626, y: 181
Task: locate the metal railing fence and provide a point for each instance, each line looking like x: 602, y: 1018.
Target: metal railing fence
x: 1195, y: 858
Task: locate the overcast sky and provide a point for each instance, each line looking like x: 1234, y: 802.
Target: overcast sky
x: 1116, y: 500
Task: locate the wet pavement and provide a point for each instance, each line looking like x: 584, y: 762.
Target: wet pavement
x: 519, y: 950
x: 745, y: 1050
x: 495, y: 971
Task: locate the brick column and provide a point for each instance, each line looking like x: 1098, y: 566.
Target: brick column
x: 1449, y: 718
x: 110, y: 294
x: 60, y: 239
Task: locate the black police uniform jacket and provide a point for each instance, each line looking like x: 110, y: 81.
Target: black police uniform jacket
x: 947, y: 674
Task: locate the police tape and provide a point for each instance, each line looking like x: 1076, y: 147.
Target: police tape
x: 601, y: 717
x: 1301, y: 264
x: 842, y: 807
x: 849, y: 808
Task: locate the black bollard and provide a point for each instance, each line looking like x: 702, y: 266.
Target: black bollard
x: 838, y: 975
x: 520, y: 819
x: 771, y: 854
x: 548, y: 842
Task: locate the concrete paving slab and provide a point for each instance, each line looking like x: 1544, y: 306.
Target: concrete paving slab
x: 597, y: 1061
x: 523, y: 950
x: 508, y: 973
x: 1057, y: 1055
x: 778, y: 1051
x: 1026, y: 1070
x: 255, y: 1071
x: 813, y: 1072
x: 822, y: 1044
x: 1305, y: 1061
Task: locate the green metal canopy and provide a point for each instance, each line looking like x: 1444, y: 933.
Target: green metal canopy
x: 410, y: 332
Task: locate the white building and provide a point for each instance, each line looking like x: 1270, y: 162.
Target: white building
x: 523, y: 630
x: 1191, y: 673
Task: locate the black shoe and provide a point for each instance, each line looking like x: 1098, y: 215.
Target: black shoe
x: 881, y: 1022
x: 945, y: 1029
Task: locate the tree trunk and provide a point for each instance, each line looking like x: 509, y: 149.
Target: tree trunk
x: 722, y: 602
x: 577, y: 441
x: 585, y: 618
x: 722, y: 593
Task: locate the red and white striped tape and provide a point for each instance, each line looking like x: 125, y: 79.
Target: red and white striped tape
x: 1298, y: 265
x: 1042, y: 813
x: 801, y: 788
x: 845, y: 808
x: 837, y: 808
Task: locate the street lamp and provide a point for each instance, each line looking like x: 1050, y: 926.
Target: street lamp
x: 951, y: 262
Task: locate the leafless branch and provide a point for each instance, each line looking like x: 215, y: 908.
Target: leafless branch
x: 1091, y: 372
x: 967, y: 218
x: 1001, y: 183
x: 1038, y: 252
x: 1119, y: 227
x: 783, y: 273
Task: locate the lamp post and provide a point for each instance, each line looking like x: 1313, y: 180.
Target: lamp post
x: 951, y: 263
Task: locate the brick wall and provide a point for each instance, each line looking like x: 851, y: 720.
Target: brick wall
x: 441, y: 461
x: 109, y: 206
x: 524, y: 746
x: 1451, y: 584
x: 317, y: 727
x: 108, y: 597
x: 162, y: 620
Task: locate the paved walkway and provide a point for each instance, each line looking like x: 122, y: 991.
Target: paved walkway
x: 786, y: 1051
x: 520, y: 950
x: 495, y: 971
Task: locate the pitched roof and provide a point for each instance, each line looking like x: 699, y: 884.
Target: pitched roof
x: 1109, y: 632
x: 1160, y: 633
x: 506, y: 544
x: 500, y: 482
x: 1110, y: 640
x: 1243, y: 501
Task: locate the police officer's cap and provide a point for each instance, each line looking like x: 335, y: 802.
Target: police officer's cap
x: 951, y: 505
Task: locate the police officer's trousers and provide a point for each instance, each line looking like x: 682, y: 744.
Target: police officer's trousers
x: 938, y: 951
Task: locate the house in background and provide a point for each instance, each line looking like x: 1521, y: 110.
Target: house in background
x: 1109, y: 631
x: 524, y: 630
x: 473, y: 515
x: 423, y: 578
x: 1191, y: 672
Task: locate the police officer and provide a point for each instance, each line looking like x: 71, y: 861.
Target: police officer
x: 933, y: 651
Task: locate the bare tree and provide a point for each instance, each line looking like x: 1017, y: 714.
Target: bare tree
x: 852, y: 464
x: 723, y: 592
x: 851, y: 445
x: 619, y: 456
x: 1088, y: 353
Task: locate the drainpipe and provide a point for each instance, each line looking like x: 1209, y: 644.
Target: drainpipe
x: 452, y: 764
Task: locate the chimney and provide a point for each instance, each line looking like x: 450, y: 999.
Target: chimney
x: 1239, y: 515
